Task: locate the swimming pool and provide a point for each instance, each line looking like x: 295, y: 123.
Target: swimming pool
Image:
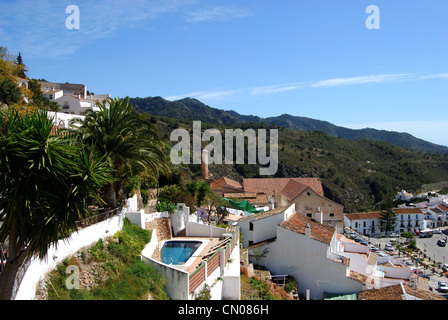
x: 178, y: 252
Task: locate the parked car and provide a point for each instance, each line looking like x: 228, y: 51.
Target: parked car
x: 445, y: 267
x: 441, y: 243
x: 424, y: 276
x: 393, y: 235
x: 442, y: 286
x: 436, y: 231
x: 364, y: 242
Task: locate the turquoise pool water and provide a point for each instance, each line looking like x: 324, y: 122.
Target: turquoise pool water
x: 178, y: 252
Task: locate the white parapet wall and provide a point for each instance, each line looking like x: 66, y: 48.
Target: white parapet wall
x: 38, y: 268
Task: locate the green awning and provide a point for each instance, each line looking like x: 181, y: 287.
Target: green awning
x: 338, y: 296
x: 242, y: 205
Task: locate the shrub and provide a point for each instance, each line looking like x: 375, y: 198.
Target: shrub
x: 130, y: 279
x: 166, y: 206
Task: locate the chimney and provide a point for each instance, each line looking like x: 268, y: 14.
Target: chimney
x: 318, y: 216
x: 204, y: 164
x: 308, y: 230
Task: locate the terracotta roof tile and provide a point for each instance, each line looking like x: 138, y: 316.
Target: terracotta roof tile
x: 320, y: 232
x: 395, y: 292
x: 224, y: 181
x: 293, y: 189
x: 252, y: 197
x: 407, y: 210
x: 276, y: 185
x: 363, y: 215
x: 387, y: 293
x: 265, y: 214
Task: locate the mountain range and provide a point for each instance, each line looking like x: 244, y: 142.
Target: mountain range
x: 193, y: 109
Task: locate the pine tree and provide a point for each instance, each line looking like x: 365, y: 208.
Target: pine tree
x: 21, y: 68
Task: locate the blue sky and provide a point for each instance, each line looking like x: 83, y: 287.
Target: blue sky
x: 307, y: 58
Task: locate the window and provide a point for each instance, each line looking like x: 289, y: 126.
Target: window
x: 251, y: 226
x: 331, y: 215
x: 364, y: 224
x: 309, y: 215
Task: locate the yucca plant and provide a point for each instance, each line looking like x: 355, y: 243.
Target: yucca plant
x: 46, y: 184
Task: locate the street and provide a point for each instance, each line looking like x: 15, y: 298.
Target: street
x: 428, y: 246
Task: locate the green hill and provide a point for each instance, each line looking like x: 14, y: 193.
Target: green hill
x: 360, y: 174
x: 194, y: 109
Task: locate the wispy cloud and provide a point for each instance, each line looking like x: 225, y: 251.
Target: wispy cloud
x: 435, y: 76
x: 219, y: 13
x: 40, y: 28
x: 361, y: 80
x: 205, y: 95
x: 277, y: 88
x: 334, y: 82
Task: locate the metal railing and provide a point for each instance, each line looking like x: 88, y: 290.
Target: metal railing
x: 100, y: 215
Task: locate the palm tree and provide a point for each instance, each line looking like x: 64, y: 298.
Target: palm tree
x: 126, y: 137
x: 46, y: 184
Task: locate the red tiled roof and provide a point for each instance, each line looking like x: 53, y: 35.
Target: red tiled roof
x: 407, y: 210
x: 224, y: 181
x: 276, y: 185
x: 363, y: 215
x: 293, y: 189
x: 320, y: 232
x: 251, y: 197
x: 395, y: 292
x: 442, y: 207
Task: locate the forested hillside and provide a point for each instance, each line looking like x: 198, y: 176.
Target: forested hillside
x: 359, y: 174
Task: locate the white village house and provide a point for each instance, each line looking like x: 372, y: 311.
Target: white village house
x: 289, y: 243
x: 322, y: 261
x: 71, y: 98
x: 407, y: 219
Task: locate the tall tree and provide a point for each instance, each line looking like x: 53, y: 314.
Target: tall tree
x: 126, y: 137
x: 21, y: 67
x: 46, y: 183
x: 387, y: 218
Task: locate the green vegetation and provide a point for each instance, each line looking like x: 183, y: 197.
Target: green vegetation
x: 253, y: 289
x: 48, y: 181
x: 362, y: 175
x: 47, y: 184
x: 124, y: 276
x: 194, y: 109
x: 128, y: 140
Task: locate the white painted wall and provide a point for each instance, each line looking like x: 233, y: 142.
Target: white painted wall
x: 85, y: 237
x: 177, y: 281
x: 203, y: 230
x: 264, y: 228
x: 306, y: 260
